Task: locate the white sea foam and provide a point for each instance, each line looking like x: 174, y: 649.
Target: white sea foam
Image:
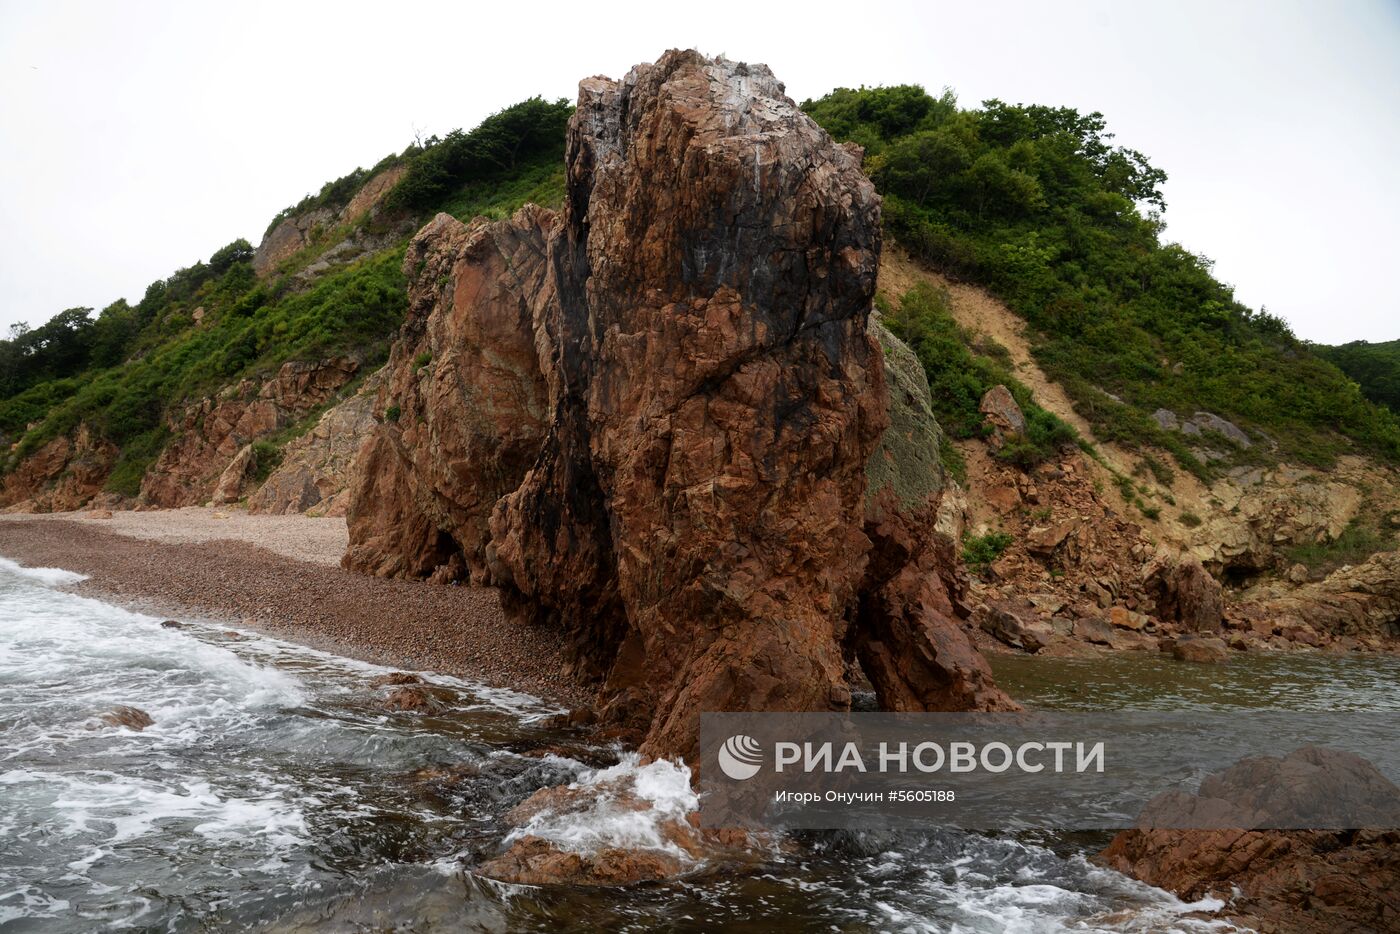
x: 49, y: 577
x: 612, y: 819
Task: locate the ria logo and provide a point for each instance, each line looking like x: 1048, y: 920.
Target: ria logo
x: 740, y: 757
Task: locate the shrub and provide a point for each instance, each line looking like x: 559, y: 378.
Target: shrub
x: 981, y: 550
x: 1038, y: 205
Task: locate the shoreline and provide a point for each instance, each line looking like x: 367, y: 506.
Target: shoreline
x: 457, y: 631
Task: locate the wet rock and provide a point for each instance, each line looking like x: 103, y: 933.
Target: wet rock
x: 533, y: 861
x: 413, y: 698
x: 395, y: 679
x: 1002, y: 415
x: 172, y: 624
x: 1293, y: 880
x: 132, y: 718
x: 1200, y: 649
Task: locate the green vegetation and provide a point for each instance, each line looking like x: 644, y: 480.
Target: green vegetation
x: 529, y: 133
x: 979, y: 551
x: 1375, y: 367
x: 125, y: 370
x: 1037, y: 204
x: 959, y: 377
x: 267, y: 456
x: 1362, y: 538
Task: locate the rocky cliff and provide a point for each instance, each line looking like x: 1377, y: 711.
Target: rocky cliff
x: 210, y: 435
x: 649, y: 419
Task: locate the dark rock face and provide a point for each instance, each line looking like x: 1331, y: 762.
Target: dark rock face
x: 650, y: 419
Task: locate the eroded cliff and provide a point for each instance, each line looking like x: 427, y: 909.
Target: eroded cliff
x: 648, y: 420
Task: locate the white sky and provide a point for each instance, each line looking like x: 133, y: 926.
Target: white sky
x: 139, y: 137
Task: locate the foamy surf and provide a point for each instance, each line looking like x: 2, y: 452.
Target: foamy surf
x: 275, y: 788
x: 49, y: 577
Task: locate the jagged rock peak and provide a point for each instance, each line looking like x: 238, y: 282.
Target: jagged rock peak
x: 648, y: 421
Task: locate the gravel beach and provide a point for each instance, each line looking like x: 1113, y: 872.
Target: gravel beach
x: 279, y: 574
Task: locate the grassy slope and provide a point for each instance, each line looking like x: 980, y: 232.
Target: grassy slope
x: 1036, y: 205
x: 250, y: 327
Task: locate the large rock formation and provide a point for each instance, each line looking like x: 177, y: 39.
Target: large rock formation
x: 1277, y: 880
x: 64, y: 474
x: 1359, y: 601
x: 314, y: 473
x: 649, y: 420
x: 210, y: 434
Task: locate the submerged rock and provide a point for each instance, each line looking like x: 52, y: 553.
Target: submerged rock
x: 649, y: 420
x: 133, y: 718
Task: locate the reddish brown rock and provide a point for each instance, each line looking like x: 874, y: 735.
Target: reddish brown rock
x: 1002, y: 415
x: 533, y: 861
x: 1277, y: 880
x: 1200, y: 649
x: 64, y: 474
x: 133, y: 718
x: 1185, y: 593
x: 665, y: 403
x: 466, y: 398
x: 209, y: 435
x: 415, y: 698
x: 315, y: 470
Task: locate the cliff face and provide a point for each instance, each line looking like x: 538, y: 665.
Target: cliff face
x: 649, y: 420
x: 210, y: 434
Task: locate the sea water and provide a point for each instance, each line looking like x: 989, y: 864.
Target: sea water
x: 274, y: 792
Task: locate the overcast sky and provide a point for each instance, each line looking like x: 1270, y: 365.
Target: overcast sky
x: 139, y: 137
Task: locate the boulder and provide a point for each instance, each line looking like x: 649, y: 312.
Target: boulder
x: 1308, y: 881
x: 1185, y: 593
x: 1124, y: 618
x: 1016, y: 623
x: 1002, y: 415
x: 1200, y: 649
x: 650, y: 421
x: 240, y: 470
x: 1094, y: 629
x: 133, y: 718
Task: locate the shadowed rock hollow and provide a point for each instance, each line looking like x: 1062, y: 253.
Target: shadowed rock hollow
x: 649, y: 420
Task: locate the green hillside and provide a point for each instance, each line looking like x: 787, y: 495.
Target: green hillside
x: 122, y: 369
x: 1375, y: 367
x: 1038, y: 205
x: 1034, y: 203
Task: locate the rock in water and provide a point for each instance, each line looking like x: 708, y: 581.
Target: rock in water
x: 649, y: 420
x: 133, y: 718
